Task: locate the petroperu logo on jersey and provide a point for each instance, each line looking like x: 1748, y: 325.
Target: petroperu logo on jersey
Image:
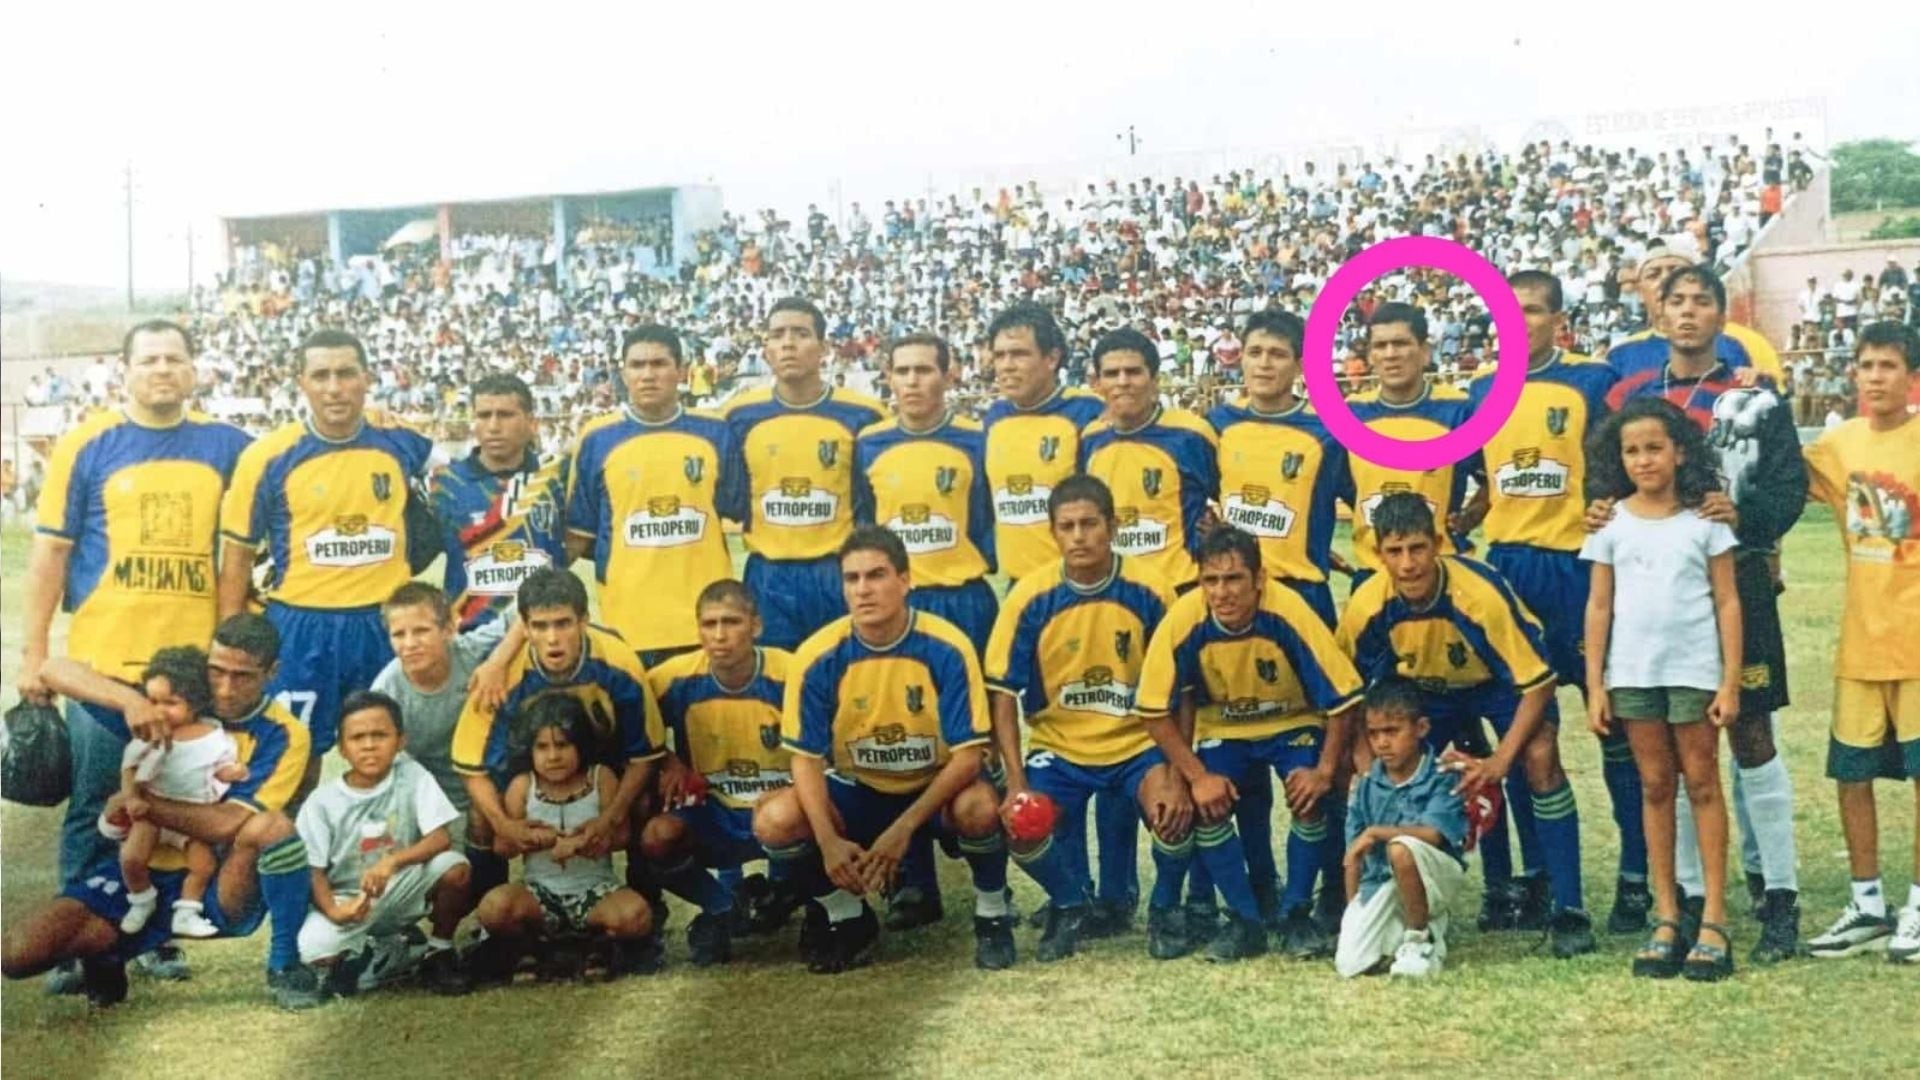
x: 1097, y: 691
x: 889, y: 748
x: 666, y: 522
x: 1372, y: 502
x: 1254, y: 509
x: 499, y: 569
x: 352, y: 541
x: 743, y: 781
x: 1139, y: 535
x: 1021, y: 502
x: 797, y: 502
x: 922, y: 530
x: 1530, y: 476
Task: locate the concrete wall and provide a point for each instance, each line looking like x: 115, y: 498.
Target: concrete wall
x: 1779, y: 275
x: 1806, y: 219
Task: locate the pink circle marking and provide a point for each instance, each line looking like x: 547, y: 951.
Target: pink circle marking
x: 1509, y: 323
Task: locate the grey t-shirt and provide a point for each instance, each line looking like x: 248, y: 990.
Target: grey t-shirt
x: 346, y: 830
x: 1665, y: 633
x: 430, y: 718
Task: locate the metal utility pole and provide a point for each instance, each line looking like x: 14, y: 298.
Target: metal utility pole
x: 1132, y: 140
x: 129, y: 191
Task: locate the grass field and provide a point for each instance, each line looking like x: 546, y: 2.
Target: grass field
x: 1503, y: 1007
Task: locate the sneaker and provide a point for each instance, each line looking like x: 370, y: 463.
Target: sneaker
x: 1756, y: 892
x: 993, y: 942
x: 1060, y: 935
x: 1534, y: 910
x: 342, y: 977
x: 444, y: 974
x: 65, y: 979
x: 391, y: 958
x: 1330, y: 908
x: 1167, y: 937
x: 709, y: 941
x: 1905, y: 946
x: 1779, y: 916
x: 847, y: 944
x: 1416, y: 958
x: 1572, y: 933
x: 638, y: 956
x: 813, y: 932
x: 913, y: 907
x: 166, y: 963
x: 1238, y: 939
x: 140, y: 908
x: 1203, y: 921
x: 104, y: 980
x: 1302, y: 938
x: 296, y: 987
x: 190, y: 921
x: 494, y: 961
x: 1632, y: 901
x: 1105, y: 919
x: 1854, y: 931
x: 768, y: 912
x: 1498, y: 906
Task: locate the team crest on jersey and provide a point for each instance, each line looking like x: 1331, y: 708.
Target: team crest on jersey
x: 540, y: 516
x: 1049, y: 447
x: 1557, y: 421
x: 1150, y: 482
x: 1290, y: 464
x: 1256, y: 494
x: 1268, y: 670
x: 770, y: 736
x: 693, y: 467
x: 916, y: 698
x: 1122, y: 644
x: 944, y: 479
x: 382, y: 486
x: 829, y: 452
x: 1457, y: 654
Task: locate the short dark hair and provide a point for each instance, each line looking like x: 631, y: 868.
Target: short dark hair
x: 653, y: 334
x: 942, y: 352
x: 363, y: 700
x: 153, y: 326
x: 1081, y: 487
x: 876, y: 538
x: 728, y: 591
x: 1396, y: 312
x: 1034, y: 317
x: 548, y: 587
x: 1127, y: 339
x: 1396, y: 695
x: 1281, y: 324
x: 419, y: 593
x: 502, y: 384
x: 185, y: 669
x: 251, y: 634
x: 805, y: 307
x: 1227, y: 540
x: 1403, y: 513
x: 1545, y: 282
x: 1700, y: 274
x: 330, y: 338
x: 1889, y: 334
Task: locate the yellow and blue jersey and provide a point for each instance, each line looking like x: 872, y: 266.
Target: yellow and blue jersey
x: 798, y: 462
x: 1162, y: 474
x: 1475, y: 631
x: 1537, y: 463
x: 140, y: 508
x: 1737, y: 347
x: 331, y: 514
x: 1282, y: 672
x: 1438, y: 410
x: 608, y: 680
x: 929, y: 488
x: 1280, y: 476
x: 1071, y: 654
x: 886, y: 716
x: 497, y: 528
x: 729, y: 735
x: 652, y: 495
x: 1028, y: 452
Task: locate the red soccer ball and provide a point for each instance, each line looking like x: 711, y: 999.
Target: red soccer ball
x: 1483, y: 814
x: 1030, y: 817
x: 695, y: 790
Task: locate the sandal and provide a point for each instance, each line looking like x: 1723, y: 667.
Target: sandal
x: 1660, y: 959
x: 1710, y: 963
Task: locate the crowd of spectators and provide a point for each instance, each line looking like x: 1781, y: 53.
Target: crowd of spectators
x: 1821, y: 344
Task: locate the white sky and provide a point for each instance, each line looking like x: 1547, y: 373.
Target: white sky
x: 358, y: 103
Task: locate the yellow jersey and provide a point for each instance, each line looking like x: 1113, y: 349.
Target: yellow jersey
x: 730, y: 735
x: 799, y: 469
x: 1028, y: 451
x: 1872, y: 481
x: 929, y: 488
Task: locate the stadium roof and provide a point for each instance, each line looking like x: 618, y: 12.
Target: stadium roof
x: 389, y: 205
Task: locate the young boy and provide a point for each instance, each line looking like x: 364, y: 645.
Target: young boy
x: 381, y: 854
x: 1405, y: 832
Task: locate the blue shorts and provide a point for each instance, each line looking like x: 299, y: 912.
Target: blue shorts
x: 722, y: 835
x: 971, y: 607
x: 105, y: 894
x: 796, y: 598
x: 1553, y: 585
x: 324, y: 656
x: 1070, y: 784
x: 1283, y: 751
x: 1454, y: 716
x: 1318, y: 595
x: 867, y: 813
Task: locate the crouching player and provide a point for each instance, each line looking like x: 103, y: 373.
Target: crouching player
x: 382, y: 857
x: 891, y: 701
x: 1069, y: 644
x: 1406, y: 830
x: 722, y: 704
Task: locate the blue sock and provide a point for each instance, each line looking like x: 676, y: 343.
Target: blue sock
x: 917, y: 868
x: 1557, y: 819
x: 800, y: 864
x: 286, y: 886
x: 1226, y: 858
x: 1253, y: 813
x: 1116, y: 823
x: 691, y: 882
x: 1049, y: 866
x: 1623, y: 787
x: 1306, y: 852
x: 1520, y: 803
x: 987, y: 857
x: 1170, y: 871
x: 1199, y: 884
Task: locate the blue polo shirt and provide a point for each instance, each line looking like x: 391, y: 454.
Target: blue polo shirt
x: 1426, y: 798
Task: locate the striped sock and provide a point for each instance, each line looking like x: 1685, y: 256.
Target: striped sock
x: 1306, y: 849
x: 693, y: 883
x: 1557, y: 820
x: 1226, y: 858
x: 987, y: 857
x: 1170, y: 862
x: 286, y: 887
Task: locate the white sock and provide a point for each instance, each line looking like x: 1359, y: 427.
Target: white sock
x: 436, y: 944
x: 140, y: 907
x: 1868, y: 897
x: 1750, y: 857
x: 189, y: 905
x: 841, y: 905
x: 1768, y: 802
x: 1686, y: 846
x: 991, y: 904
x: 1913, y: 896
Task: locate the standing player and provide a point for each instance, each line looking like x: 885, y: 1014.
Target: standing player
x: 1455, y: 627
x: 326, y: 497
x: 499, y: 507
x: 124, y: 539
x: 1535, y: 524
x: 1737, y: 346
x: 886, y: 715
x: 796, y: 439
x: 650, y: 484
x: 1868, y: 470
x: 1067, y: 651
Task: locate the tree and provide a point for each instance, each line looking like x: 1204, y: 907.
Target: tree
x: 1869, y: 174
